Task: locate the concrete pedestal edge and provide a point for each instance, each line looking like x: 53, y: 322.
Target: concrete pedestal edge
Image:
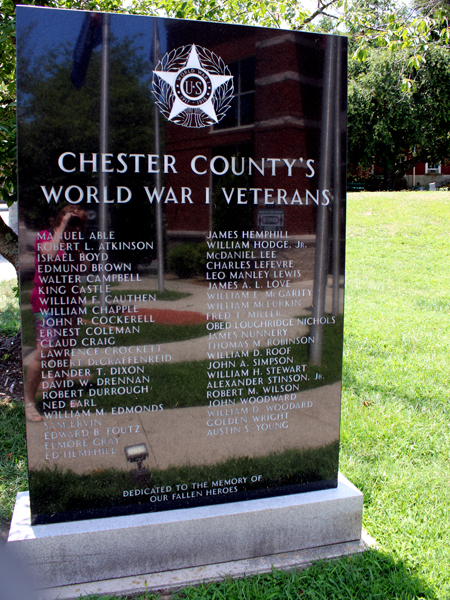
x: 170, y: 581
x: 183, y: 547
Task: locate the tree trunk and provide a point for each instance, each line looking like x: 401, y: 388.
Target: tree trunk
x: 9, y: 244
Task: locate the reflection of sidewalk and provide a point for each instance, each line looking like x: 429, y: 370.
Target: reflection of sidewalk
x: 197, y: 349
x: 179, y: 437
x: 7, y: 271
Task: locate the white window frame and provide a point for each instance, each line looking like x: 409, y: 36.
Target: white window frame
x: 431, y: 168
x: 238, y: 94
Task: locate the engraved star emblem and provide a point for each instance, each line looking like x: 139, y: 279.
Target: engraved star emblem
x: 193, y: 86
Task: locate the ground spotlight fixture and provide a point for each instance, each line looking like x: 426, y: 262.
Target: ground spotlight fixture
x: 137, y: 454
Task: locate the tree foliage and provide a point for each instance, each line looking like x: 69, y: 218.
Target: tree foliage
x: 265, y: 13
x: 7, y: 104
x: 394, y: 129
x: 412, y: 27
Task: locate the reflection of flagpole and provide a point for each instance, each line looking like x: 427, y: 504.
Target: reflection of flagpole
x: 90, y: 37
x: 322, y: 233
x: 159, y: 217
x: 104, y: 128
x: 337, y: 183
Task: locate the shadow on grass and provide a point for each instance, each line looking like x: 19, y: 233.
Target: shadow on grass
x: 372, y: 575
x: 369, y: 576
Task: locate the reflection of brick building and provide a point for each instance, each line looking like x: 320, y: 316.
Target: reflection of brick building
x: 276, y: 114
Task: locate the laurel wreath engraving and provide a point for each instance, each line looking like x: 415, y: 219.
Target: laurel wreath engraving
x: 164, y: 96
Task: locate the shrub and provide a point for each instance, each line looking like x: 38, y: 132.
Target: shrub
x: 183, y: 260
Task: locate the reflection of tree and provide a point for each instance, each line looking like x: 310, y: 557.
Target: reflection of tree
x: 55, y: 117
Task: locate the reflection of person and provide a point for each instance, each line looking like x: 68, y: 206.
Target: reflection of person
x: 53, y: 289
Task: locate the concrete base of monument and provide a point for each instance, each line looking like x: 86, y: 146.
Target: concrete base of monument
x: 166, y: 549
x: 170, y: 581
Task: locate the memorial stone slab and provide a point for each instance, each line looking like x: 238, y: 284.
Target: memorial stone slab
x: 182, y: 226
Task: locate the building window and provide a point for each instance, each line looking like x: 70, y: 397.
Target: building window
x: 432, y: 168
x: 242, y: 109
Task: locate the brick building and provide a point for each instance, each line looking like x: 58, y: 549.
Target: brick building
x: 269, y: 140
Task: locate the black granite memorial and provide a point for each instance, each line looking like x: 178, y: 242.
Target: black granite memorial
x: 182, y: 214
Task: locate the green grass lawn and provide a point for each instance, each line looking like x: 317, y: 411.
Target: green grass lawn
x: 395, y: 430
x: 395, y: 440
